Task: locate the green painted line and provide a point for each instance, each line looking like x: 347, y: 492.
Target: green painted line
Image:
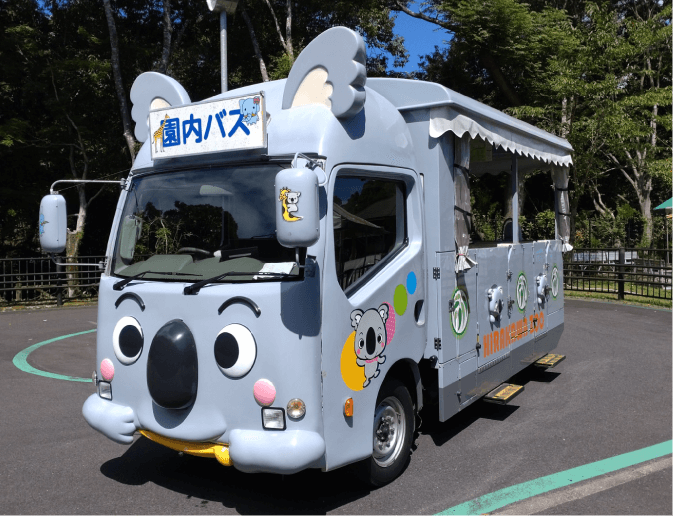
x: 21, y: 360
x: 493, y: 501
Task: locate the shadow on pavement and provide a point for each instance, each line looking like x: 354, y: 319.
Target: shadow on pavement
x: 442, y: 432
x: 209, y: 482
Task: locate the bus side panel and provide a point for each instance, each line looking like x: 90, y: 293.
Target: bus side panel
x: 552, y: 326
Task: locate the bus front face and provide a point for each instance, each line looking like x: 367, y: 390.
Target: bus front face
x: 209, y: 330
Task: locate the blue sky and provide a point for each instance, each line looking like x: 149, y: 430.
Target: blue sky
x: 420, y: 38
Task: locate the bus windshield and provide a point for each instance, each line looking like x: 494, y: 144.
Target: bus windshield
x: 192, y: 225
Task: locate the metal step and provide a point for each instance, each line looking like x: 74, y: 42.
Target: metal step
x: 550, y: 360
x: 504, y: 393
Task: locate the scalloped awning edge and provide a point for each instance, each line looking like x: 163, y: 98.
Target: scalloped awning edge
x: 446, y: 118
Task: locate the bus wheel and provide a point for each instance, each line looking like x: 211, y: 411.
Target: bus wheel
x: 393, y: 434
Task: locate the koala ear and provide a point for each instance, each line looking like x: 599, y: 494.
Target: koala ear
x: 383, y: 312
x: 240, y: 103
x: 298, y: 194
x: 331, y: 71
x: 356, y: 315
x: 152, y: 90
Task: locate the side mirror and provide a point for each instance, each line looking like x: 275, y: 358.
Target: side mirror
x: 297, y: 209
x: 53, y: 223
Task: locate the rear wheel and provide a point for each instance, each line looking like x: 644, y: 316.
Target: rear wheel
x: 393, y: 433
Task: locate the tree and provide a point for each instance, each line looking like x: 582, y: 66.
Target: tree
x: 637, y: 123
x: 597, y: 74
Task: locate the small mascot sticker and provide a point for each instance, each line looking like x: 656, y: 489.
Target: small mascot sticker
x: 370, y: 339
x: 289, y: 199
x: 42, y: 223
x: 249, y: 109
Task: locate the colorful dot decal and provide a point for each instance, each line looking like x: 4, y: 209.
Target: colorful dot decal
x: 390, y: 324
x: 352, y: 374
x: 411, y: 282
x: 400, y: 299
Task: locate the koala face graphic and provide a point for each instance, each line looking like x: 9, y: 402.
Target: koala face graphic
x: 370, y: 339
x: 293, y: 197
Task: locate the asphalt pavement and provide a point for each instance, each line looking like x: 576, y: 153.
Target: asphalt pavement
x: 611, y: 396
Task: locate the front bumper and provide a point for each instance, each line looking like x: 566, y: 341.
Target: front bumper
x: 252, y: 451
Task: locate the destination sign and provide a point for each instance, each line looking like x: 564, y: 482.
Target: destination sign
x: 232, y: 124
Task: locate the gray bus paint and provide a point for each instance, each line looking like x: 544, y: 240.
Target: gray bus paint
x: 302, y: 335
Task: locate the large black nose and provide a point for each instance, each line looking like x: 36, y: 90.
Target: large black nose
x: 172, y: 366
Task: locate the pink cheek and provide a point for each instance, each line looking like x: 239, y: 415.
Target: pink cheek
x: 107, y: 369
x: 264, y: 392
x: 359, y: 351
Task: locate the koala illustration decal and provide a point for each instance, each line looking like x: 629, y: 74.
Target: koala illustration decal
x: 289, y: 200
x: 370, y: 339
x: 292, y: 200
x: 249, y: 109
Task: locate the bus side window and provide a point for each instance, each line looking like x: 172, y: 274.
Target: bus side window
x: 369, y: 219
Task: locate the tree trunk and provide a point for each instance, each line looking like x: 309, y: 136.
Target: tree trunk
x: 255, y: 45
x: 288, y: 32
x: 168, y: 34
x: 74, y: 241
x: 646, y: 208
x: 119, y: 85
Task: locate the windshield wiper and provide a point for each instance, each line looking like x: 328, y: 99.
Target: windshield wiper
x: 194, y: 289
x: 121, y: 284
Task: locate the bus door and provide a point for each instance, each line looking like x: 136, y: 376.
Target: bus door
x: 456, y: 344
x: 494, y: 319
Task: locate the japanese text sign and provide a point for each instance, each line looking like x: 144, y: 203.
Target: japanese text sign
x: 231, y: 124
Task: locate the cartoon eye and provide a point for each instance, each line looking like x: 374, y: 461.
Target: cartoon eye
x: 379, y: 338
x: 361, y: 343
x: 235, y: 350
x: 127, y: 340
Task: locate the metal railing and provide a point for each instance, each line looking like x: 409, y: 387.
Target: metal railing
x: 620, y: 271
x: 39, y: 281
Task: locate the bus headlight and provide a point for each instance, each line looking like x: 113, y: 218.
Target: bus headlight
x: 296, y: 408
x: 105, y: 390
x: 273, y: 418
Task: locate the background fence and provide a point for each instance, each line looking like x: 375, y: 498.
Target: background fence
x: 39, y: 281
x: 620, y: 271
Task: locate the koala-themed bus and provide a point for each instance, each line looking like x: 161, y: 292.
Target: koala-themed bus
x: 290, y: 276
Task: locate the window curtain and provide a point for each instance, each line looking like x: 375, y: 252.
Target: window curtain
x: 462, y: 207
x: 560, y: 178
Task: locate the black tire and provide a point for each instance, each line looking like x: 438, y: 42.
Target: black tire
x: 391, y: 440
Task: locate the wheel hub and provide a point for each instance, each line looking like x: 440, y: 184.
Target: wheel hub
x: 389, y: 431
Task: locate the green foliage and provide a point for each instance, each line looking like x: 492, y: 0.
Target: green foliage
x: 540, y: 227
x: 280, y: 67
x: 596, y: 73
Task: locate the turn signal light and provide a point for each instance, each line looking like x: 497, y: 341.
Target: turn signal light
x: 348, y: 407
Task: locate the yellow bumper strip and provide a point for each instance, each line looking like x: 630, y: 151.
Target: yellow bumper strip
x: 218, y: 450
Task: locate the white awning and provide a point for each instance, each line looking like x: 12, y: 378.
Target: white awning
x: 451, y: 111
x: 513, y: 137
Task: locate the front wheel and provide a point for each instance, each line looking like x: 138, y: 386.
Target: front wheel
x: 392, y: 435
